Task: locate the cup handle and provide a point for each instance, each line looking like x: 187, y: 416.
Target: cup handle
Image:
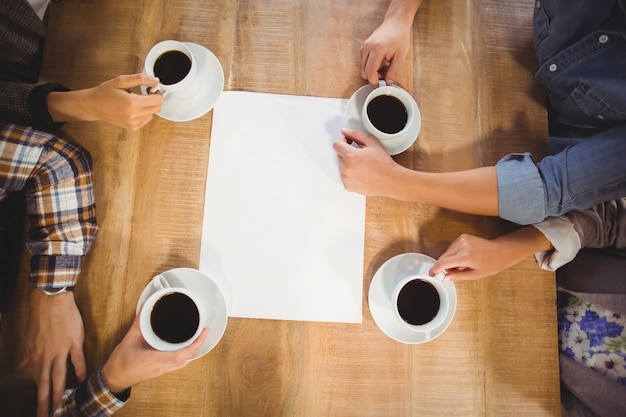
x: 160, y: 283
x: 382, y: 83
x: 158, y: 89
x: 441, y: 275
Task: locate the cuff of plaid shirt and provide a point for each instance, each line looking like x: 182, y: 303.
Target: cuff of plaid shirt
x: 92, y: 398
x: 99, y: 397
x: 50, y: 272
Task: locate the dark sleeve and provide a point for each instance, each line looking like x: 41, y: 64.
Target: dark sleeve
x: 26, y: 104
x: 37, y: 104
x: 602, y: 226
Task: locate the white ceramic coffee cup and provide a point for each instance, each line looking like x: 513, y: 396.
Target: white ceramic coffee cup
x: 162, y: 289
x: 390, y: 140
x: 444, y: 302
x: 185, y: 88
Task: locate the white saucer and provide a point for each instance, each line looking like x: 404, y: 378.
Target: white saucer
x: 217, y: 312
x: 354, y: 121
x: 211, y: 77
x: 381, y: 288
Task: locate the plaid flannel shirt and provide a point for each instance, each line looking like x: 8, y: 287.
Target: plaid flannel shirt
x: 91, y: 399
x: 57, y: 178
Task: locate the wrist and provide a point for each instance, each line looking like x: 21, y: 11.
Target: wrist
x: 51, y: 292
x: 109, y: 377
x: 67, y: 106
x: 403, y: 12
x: 40, y: 302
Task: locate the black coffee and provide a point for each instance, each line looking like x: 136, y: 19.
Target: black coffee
x: 175, y: 318
x: 418, y: 302
x: 387, y: 114
x: 171, y: 67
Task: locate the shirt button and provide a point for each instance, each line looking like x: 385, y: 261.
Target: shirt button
x: 552, y: 67
x: 603, y: 39
x: 538, y: 4
x: 599, y: 116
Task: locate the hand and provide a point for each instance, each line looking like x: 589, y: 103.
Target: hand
x: 471, y: 257
x: 389, y: 43
x: 134, y: 361
x: 367, y: 169
x: 111, y: 102
x: 55, y: 331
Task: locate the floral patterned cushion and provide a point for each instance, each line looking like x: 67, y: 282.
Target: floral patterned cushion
x: 593, y: 336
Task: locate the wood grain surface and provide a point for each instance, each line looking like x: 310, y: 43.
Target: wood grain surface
x: 471, y: 71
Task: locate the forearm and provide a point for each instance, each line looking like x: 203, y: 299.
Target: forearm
x: 522, y: 243
x: 402, y: 11
x: 61, y: 210
x: 474, y: 191
x: 472, y: 257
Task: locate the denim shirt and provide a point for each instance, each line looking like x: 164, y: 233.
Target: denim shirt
x: 581, y: 49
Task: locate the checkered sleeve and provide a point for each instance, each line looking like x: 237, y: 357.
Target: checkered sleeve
x: 91, y: 399
x: 57, y: 178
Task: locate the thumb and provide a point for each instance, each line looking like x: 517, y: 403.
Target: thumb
x: 435, y: 269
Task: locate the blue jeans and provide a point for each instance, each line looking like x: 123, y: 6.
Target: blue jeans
x: 581, y: 49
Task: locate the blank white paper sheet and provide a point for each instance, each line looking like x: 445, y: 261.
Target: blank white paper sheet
x: 279, y: 228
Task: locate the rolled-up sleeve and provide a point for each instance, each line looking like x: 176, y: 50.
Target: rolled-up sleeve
x: 564, y: 239
x: 600, y: 227
x: 521, y: 191
x: 582, y: 175
x: 58, y: 182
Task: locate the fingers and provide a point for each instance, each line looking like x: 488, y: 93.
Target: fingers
x: 135, y: 80
x: 43, y: 399
x: 183, y: 357
x: 25, y: 359
x: 371, y: 63
x: 392, y: 72
x: 51, y: 380
x: 78, y: 361
x: 360, y: 138
x: 143, y: 110
x: 454, y: 272
x: 141, y: 123
x: 193, y: 348
x: 43, y: 392
x: 452, y: 261
x: 343, y: 146
x: 442, y: 264
x: 58, y: 373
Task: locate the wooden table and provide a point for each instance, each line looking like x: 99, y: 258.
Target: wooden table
x: 470, y: 70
